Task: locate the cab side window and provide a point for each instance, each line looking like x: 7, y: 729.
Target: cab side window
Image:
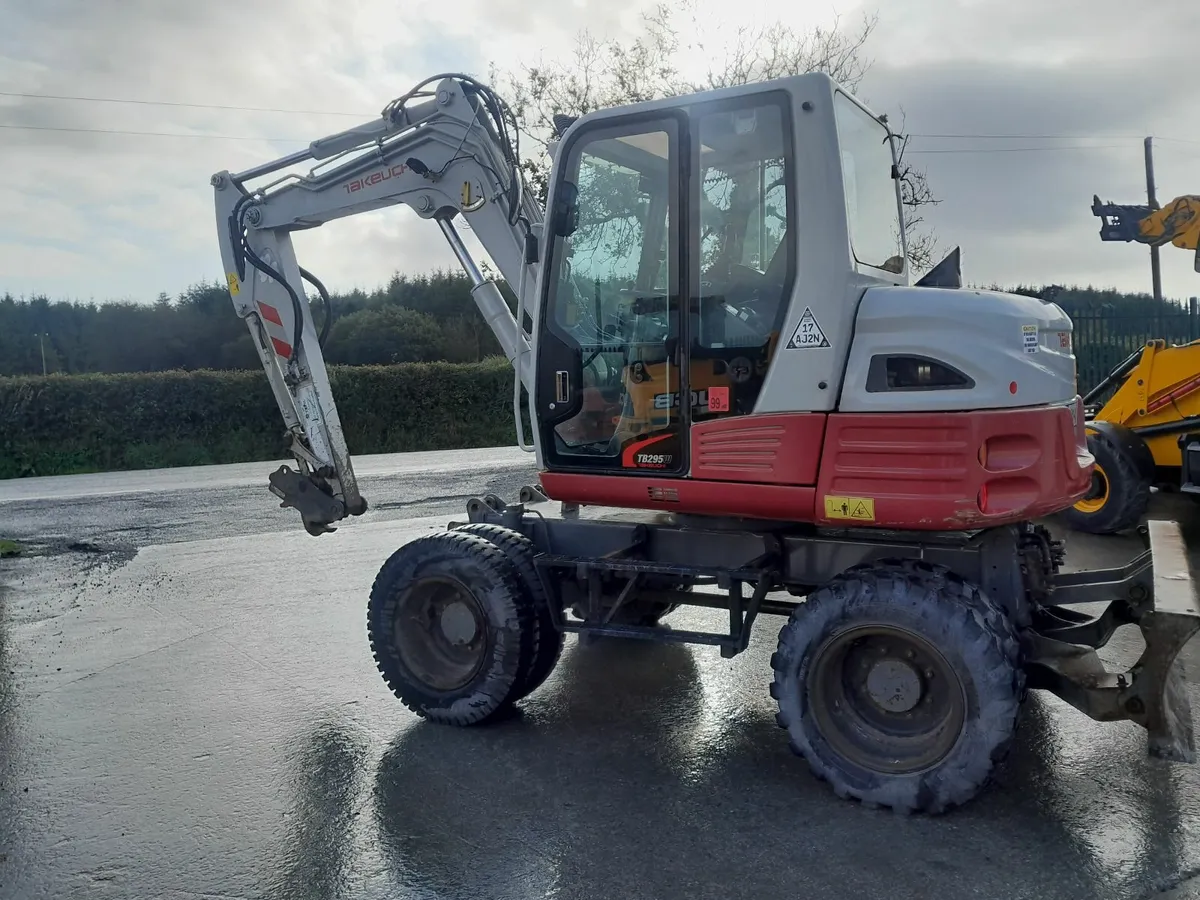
x: 742, y: 250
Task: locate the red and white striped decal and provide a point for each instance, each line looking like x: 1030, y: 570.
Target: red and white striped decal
x: 275, y: 329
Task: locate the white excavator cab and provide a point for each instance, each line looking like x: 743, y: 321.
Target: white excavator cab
x: 710, y: 247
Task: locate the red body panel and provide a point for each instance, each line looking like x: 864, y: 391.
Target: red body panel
x: 775, y: 449
x: 957, y: 471
x: 922, y: 471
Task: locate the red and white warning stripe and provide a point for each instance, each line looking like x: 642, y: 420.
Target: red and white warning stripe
x: 276, y: 330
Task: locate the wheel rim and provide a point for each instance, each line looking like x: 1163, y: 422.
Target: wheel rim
x: 441, y: 633
x: 886, y: 699
x: 1097, y: 494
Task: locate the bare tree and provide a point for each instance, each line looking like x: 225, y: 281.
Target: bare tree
x: 605, y: 73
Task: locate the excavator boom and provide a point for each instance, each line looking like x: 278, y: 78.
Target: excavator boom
x: 443, y: 151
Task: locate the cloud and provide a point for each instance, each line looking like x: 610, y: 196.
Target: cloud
x: 63, y: 184
x: 115, y: 215
x: 1021, y: 207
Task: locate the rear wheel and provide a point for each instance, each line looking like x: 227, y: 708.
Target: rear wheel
x: 1119, y: 492
x: 900, y: 684
x: 452, y: 628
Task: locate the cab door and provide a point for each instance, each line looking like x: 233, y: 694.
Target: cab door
x: 608, y: 388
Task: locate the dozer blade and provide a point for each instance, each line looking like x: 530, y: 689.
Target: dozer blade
x: 1172, y: 622
x: 1153, y: 693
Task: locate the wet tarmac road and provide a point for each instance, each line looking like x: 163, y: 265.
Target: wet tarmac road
x: 188, y: 709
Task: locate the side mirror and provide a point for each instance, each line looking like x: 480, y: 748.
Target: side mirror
x: 565, y: 217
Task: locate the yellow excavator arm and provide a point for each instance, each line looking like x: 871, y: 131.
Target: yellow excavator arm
x: 1178, y: 223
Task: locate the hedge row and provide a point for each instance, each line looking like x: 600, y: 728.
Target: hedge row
x: 67, y: 424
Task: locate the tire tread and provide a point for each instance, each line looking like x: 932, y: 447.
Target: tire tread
x: 983, y: 632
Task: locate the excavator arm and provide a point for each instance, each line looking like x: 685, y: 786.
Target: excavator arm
x: 443, y: 150
x: 1176, y: 223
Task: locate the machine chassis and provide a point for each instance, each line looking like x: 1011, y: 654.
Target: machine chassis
x: 1018, y: 566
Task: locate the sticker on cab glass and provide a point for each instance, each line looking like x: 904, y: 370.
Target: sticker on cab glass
x: 860, y: 509
x: 718, y: 399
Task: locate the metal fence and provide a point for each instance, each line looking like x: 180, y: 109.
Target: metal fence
x: 1102, y: 340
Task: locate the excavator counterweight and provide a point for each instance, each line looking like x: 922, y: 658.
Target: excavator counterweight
x: 740, y: 400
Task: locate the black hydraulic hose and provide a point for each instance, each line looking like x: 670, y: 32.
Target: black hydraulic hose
x: 257, y: 261
x: 1178, y: 426
x: 315, y: 282
x: 236, y: 239
x: 1123, y: 368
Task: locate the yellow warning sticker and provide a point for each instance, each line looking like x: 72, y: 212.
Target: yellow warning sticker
x: 234, y: 289
x: 860, y: 509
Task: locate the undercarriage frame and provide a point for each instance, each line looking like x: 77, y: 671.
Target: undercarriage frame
x: 598, y: 563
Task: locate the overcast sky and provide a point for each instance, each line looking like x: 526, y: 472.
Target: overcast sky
x: 97, y: 216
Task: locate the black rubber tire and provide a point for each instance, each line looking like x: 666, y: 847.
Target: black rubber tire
x: 1126, y: 496
x: 972, y: 634
x: 548, y: 640
x: 492, y: 581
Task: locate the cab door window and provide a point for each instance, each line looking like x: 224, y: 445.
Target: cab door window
x: 613, y: 305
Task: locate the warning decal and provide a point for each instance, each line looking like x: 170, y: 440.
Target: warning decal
x: 234, y: 287
x: 808, y: 334
x: 861, y: 509
x: 1029, y: 338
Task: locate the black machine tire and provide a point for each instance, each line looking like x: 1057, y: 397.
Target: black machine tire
x: 468, y: 573
x: 548, y: 639
x: 1120, y: 490
x: 960, y: 636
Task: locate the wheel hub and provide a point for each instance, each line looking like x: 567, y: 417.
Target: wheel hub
x: 885, y: 698
x: 458, y: 623
x: 440, y: 634
x: 894, y: 685
x: 1097, y: 495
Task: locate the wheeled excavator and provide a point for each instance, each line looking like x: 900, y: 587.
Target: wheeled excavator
x: 1146, y: 433
x: 738, y: 400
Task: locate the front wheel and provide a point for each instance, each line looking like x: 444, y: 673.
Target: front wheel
x: 900, y: 685
x: 452, y: 628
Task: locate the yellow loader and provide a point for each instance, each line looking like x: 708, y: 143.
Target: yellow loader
x: 1148, y: 432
